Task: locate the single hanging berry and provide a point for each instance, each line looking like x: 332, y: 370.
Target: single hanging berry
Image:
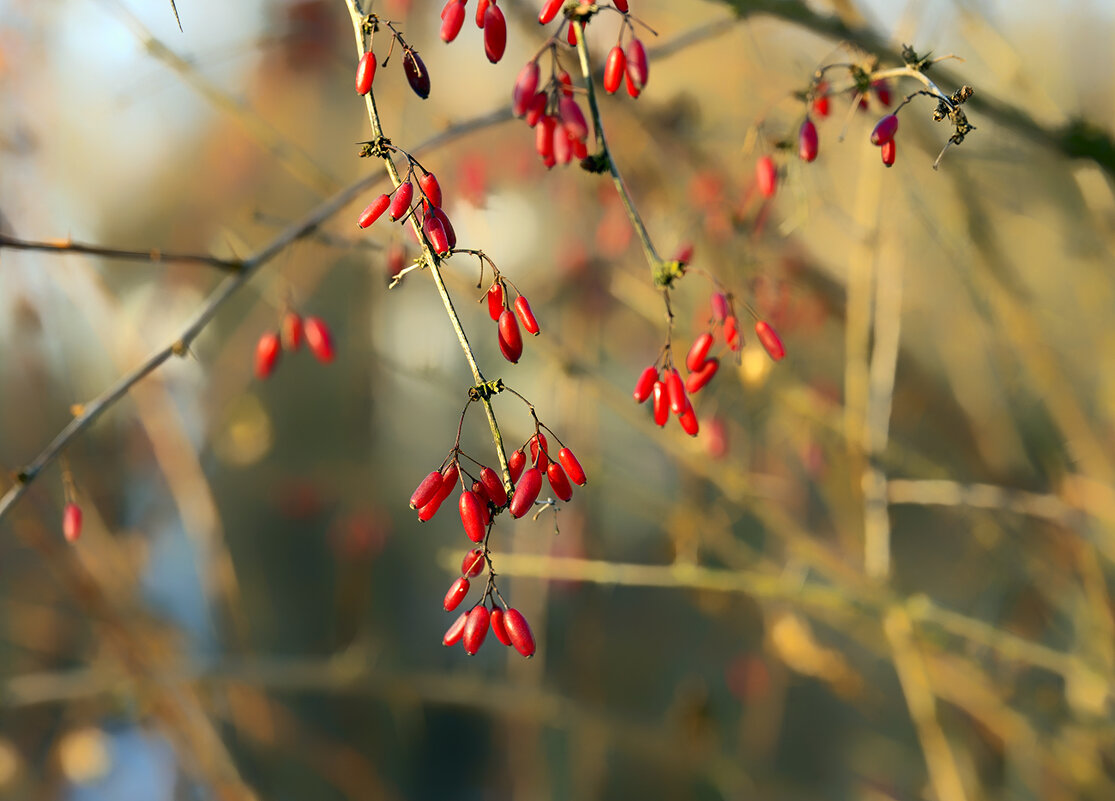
x: 495, y: 301
x: 549, y: 10
x: 365, y: 72
x: 481, y: 9
x: 474, y: 563
x: 645, y: 384
x: 291, y: 330
x: 476, y: 629
x: 614, y: 68
x: 688, y: 420
x: 526, y: 316
x: 572, y: 118
x: 430, y: 188
x: 400, y: 204
x: 452, y: 18
x: 698, y: 379
x: 417, y: 75
x: 495, y: 33
x: 572, y: 467
x: 472, y: 515
x: 319, y: 339
x: 661, y: 403
x: 494, y: 486
x: 454, y: 633
x: 821, y: 100
x: 519, y: 632
x: 515, y: 464
x: 525, y: 87
x: 720, y: 307
x: 675, y: 391
x: 425, y: 492
x: 435, y: 233
x: 885, y: 129
x: 770, y: 340
x: 887, y: 150
x: 267, y: 354
x: 526, y: 492
x: 698, y: 352
x: 374, y: 210
x: 807, y: 140
x: 766, y: 175
x: 559, y: 482
x: 71, y: 522
x: 457, y: 592
x: 498, y: 627
x: 510, y: 338
x: 731, y: 333
x: 637, y: 67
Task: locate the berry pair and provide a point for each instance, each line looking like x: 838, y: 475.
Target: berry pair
x: 488, y: 18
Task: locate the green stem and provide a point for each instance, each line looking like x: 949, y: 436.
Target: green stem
x: 428, y: 256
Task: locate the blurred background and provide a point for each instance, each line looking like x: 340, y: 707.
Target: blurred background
x: 883, y: 570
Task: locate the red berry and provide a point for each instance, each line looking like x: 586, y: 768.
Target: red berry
x: 400, y: 204
x: 498, y: 628
x: 675, y: 390
x: 476, y: 629
x: 697, y: 380
x: 770, y: 340
x: 481, y: 494
x: 515, y: 464
x: 571, y: 35
x: 688, y: 420
x: 549, y: 10
x: 645, y: 384
x: 292, y: 331
x: 614, y: 68
x: 435, y: 233
x: 807, y: 140
x: 472, y: 515
x: 526, y: 492
x: 519, y: 632
x: 450, y: 234
x: 566, y: 83
x: 559, y: 482
x: 431, y: 188
x: 539, y: 454
x: 493, y: 484
x: 621, y: 5
x: 267, y: 354
x: 572, y: 118
x: 448, y: 482
x: 563, y: 147
x: 888, y: 153
x: 452, y: 18
x: 71, y: 522
x: 637, y: 67
x: 821, y: 100
x: 318, y: 338
x: 417, y: 75
x: 426, y: 490
x: 544, y: 137
x: 373, y: 211
x: 766, y: 174
x: 698, y: 352
x: 632, y: 89
x: 365, y: 72
x: 474, y: 563
x: 536, y: 109
x: 525, y: 87
x: 457, y: 592
x: 495, y: 33
x: 454, y: 633
x: 882, y: 91
x: 510, y: 338
x: 731, y: 333
x: 720, y: 307
x: 885, y: 130
x: 526, y: 316
x: 572, y: 467
x: 495, y: 300
x: 481, y: 8
x: 661, y: 404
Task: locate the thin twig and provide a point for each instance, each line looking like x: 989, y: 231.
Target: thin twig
x: 64, y: 246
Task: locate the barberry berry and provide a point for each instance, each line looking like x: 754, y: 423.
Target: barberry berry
x: 457, y: 592
x: 885, y: 129
x: 373, y: 211
x: 807, y: 140
x: 498, y: 627
x: 291, y: 328
x: 473, y: 564
x: 454, y: 633
x: 526, y: 492
x: 319, y: 339
x: 572, y: 467
x: 510, y: 338
x: 365, y: 72
x: 526, y: 316
x: 770, y: 340
x: 614, y: 68
x: 519, y: 632
x: 472, y: 515
x: 476, y: 629
x: 71, y: 522
x: 268, y: 350
x: 766, y: 175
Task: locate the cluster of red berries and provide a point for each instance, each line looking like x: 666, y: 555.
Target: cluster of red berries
x: 507, y: 322
x: 560, y: 127
x: 292, y: 330
x: 471, y: 627
x: 488, y: 18
x: 399, y: 205
x: 883, y: 137
x: 629, y: 66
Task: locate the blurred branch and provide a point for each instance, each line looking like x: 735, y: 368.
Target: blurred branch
x: 94, y: 408
x: 914, y: 678
x: 939, y: 492
x: 1078, y: 138
x: 63, y: 246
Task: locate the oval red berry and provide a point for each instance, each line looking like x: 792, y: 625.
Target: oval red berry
x: 766, y: 175
x: 452, y: 18
x: 519, y: 632
x: 515, y: 464
x: 645, y: 384
x: 319, y: 339
x: 417, y: 75
x: 698, y: 352
x: 614, y: 68
x: 454, y: 633
x: 476, y: 629
x: 637, y: 67
x: 807, y: 140
x: 526, y: 492
x: 498, y: 628
x: 365, y: 73
x: 400, y: 204
x: 268, y: 350
x: 472, y: 515
x: 495, y: 300
x: 525, y: 87
x: 697, y: 380
x: 474, y: 563
x: 661, y: 403
x: 510, y: 338
x: 572, y: 467
x: 770, y: 340
x: 426, y: 490
x: 526, y: 316
x: 559, y: 482
x: 494, y: 486
x: 430, y: 188
x: 495, y: 33
x: 885, y: 129
x: 457, y: 592
x: 373, y: 211
x: 71, y: 522
x: 888, y: 152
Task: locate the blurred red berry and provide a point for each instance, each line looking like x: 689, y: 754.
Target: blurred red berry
x: 807, y: 140
x: 71, y: 522
x: 766, y: 174
x: 267, y: 354
x: 319, y: 339
x: 770, y: 340
x: 888, y: 152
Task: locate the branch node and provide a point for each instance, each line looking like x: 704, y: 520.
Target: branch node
x: 486, y: 390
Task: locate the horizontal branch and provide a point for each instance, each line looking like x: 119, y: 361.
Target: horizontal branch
x: 64, y: 246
